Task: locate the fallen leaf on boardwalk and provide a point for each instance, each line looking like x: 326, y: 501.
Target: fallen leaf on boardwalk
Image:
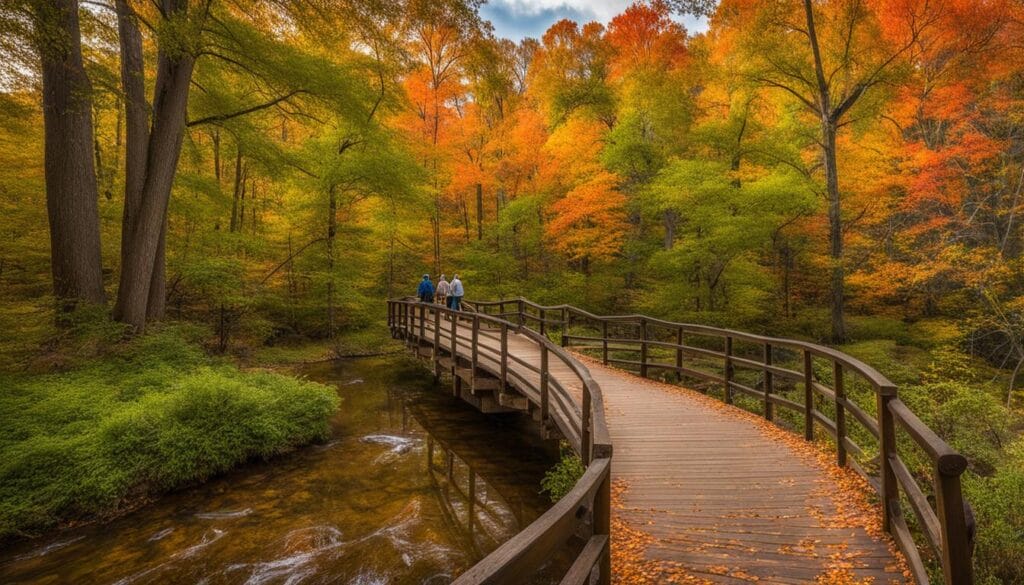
x: 838, y: 500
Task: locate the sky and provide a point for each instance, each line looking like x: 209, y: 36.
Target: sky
x: 516, y: 19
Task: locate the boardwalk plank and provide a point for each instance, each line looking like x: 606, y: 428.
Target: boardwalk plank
x: 717, y: 498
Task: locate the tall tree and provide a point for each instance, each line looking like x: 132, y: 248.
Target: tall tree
x: 828, y: 56
x: 71, y: 194
x: 144, y: 247
x: 133, y: 85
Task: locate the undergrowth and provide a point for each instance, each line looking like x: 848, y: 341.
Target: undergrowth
x: 142, y: 417
x: 560, y: 479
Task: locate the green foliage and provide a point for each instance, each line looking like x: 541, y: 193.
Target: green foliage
x: 561, y: 478
x: 901, y: 364
x: 971, y: 420
x: 155, y: 415
x: 996, y: 500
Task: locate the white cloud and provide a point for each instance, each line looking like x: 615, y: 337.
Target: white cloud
x: 516, y: 19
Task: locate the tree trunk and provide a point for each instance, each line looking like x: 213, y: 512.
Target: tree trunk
x: 835, y: 232
x: 144, y: 257
x: 436, y: 224
x: 157, y: 302
x: 216, y: 155
x: 133, y: 83
x: 241, y: 201
x: 479, y: 212
x: 71, y: 195
x: 332, y: 229
x: 671, y: 219
x: 233, y: 227
x: 828, y: 147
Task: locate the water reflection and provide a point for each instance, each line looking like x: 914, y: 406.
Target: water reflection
x: 413, y: 487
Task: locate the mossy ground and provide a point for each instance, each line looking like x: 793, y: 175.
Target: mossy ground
x: 115, y: 422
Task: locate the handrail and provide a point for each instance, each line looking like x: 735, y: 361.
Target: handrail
x: 585, y: 429
x: 944, y: 528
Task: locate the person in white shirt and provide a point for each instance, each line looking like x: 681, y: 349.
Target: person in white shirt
x: 443, y: 289
x: 455, y: 293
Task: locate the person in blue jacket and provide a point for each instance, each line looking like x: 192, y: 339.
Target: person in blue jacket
x: 426, y: 290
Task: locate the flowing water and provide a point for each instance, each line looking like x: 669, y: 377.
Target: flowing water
x: 413, y: 487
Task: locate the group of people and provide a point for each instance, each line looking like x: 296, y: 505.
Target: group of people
x: 446, y: 293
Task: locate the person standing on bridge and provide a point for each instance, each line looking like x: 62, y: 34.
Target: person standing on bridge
x: 426, y: 290
x: 443, y: 289
x: 455, y: 294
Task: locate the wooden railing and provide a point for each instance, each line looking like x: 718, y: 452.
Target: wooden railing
x: 457, y: 335
x: 799, y: 384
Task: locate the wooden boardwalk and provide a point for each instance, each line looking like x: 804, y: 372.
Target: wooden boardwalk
x: 708, y: 493
x: 722, y: 500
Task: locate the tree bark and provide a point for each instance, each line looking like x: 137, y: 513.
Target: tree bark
x: 828, y: 115
x: 144, y: 256
x: 332, y: 230
x: 233, y: 226
x: 479, y: 212
x: 133, y: 83
x: 241, y: 201
x: 671, y: 219
x: 835, y: 232
x: 70, y: 174
x: 216, y: 155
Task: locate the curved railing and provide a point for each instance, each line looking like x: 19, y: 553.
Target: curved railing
x: 456, y: 335
x: 823, y: 385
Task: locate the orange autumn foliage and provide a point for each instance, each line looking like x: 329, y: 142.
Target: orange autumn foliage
x: 589, y: 222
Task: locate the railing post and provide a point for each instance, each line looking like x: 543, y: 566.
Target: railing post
x: 423, y: 316
x: 455, y: 341
x: 728, y: 369
x: 604, y: 342
x: 504, y: 355
x: 585, y: 428
x: 808, y: 397
x: 949, y: 504
x: 544, y: 383
x: 887, y: 449
x: 475, y: 342
x: 522, y: 315
x: 437, y: 330
x: 837, y: 387
x: 643, y: 347
x: 405, y: 322
x: 603, y: 525
x: 769, y: 382
x: 437, y: 343
x: 679, y: 354
x: 565, y: 327
x: 543, y: 322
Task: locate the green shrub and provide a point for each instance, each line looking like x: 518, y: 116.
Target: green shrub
x: 155, y: 414
x: 999, y: 553
x: 929, y: 333
x: 971, y: 420
x: 901, y: 364
x: 560, y: 479
x: 862, y: 327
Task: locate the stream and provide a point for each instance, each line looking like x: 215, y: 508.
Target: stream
x: 414, y: 486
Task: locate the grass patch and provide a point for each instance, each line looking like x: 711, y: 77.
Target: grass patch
x: 150, y: 415
x: 560, y: 479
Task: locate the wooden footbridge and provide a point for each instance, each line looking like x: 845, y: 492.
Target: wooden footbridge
x: 705, y: 491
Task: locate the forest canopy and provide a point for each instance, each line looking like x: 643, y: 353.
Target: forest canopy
x: 846, y: 171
